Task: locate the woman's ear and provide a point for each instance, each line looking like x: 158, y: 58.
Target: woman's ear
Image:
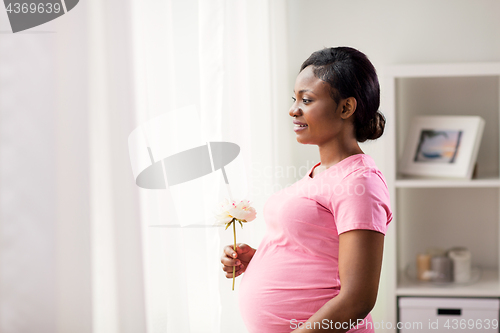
x: 349, y: 107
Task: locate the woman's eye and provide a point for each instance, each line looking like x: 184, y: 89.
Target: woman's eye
x: 305, y: 100
x: 294, y: 99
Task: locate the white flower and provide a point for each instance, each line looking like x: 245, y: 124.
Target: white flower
x: 229, y: 210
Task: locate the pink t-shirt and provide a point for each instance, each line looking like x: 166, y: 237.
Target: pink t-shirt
x: 295, y: 269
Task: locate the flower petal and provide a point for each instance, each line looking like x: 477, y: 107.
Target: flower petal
x: 229, y: 209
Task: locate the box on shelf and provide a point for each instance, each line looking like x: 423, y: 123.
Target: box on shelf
x: 430, y: 314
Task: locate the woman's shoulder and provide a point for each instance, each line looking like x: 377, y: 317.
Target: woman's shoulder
x: 363, y: 167
x: 358, y: 164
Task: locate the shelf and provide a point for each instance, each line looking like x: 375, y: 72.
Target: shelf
x: 445, y: 212
x: 487, y: 286
x: 447, y: 183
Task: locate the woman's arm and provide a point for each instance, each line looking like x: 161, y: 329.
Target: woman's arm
x: 360, y: 261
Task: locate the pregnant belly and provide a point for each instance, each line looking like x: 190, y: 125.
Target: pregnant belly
x: 276, y: 292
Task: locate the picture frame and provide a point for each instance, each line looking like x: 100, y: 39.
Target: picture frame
x: 442, y: 146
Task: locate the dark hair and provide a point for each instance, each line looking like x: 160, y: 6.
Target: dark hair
x: 351, y: 74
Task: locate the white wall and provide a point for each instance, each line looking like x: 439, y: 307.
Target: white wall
x: 391, y: 32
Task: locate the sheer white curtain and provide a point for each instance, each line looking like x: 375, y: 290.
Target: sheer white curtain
x: 78, y: 252
x: 227, y: 58
x: 70, y: 237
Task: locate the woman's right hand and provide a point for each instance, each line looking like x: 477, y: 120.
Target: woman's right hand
x: 241, y: 258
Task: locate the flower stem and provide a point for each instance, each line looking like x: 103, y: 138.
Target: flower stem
x: 234, y: 248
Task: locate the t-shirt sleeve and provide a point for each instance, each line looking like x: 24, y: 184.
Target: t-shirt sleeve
x: 361, y: 202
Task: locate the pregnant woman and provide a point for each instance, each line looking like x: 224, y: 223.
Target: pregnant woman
x: 318, y: 266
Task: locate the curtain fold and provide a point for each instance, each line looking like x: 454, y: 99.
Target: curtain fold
x: 116, y: 255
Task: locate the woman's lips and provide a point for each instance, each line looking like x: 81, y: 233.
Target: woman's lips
x: 298, y: 128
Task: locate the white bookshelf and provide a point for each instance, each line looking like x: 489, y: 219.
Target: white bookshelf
x: 486, y: 286
x: 444, y: 183
x: 433, y: 212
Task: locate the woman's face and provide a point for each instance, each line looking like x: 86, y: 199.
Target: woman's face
x: 314, y: 107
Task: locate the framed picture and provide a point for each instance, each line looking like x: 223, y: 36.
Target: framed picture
x: 442, y: 146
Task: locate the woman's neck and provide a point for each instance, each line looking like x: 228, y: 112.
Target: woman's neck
x: 333, y: 152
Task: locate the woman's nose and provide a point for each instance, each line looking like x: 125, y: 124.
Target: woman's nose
x: 294, y: 110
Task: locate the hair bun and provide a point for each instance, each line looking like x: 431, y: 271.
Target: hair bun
x: 373, y: 129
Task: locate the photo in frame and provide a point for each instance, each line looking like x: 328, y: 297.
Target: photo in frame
x: 442, y: 146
